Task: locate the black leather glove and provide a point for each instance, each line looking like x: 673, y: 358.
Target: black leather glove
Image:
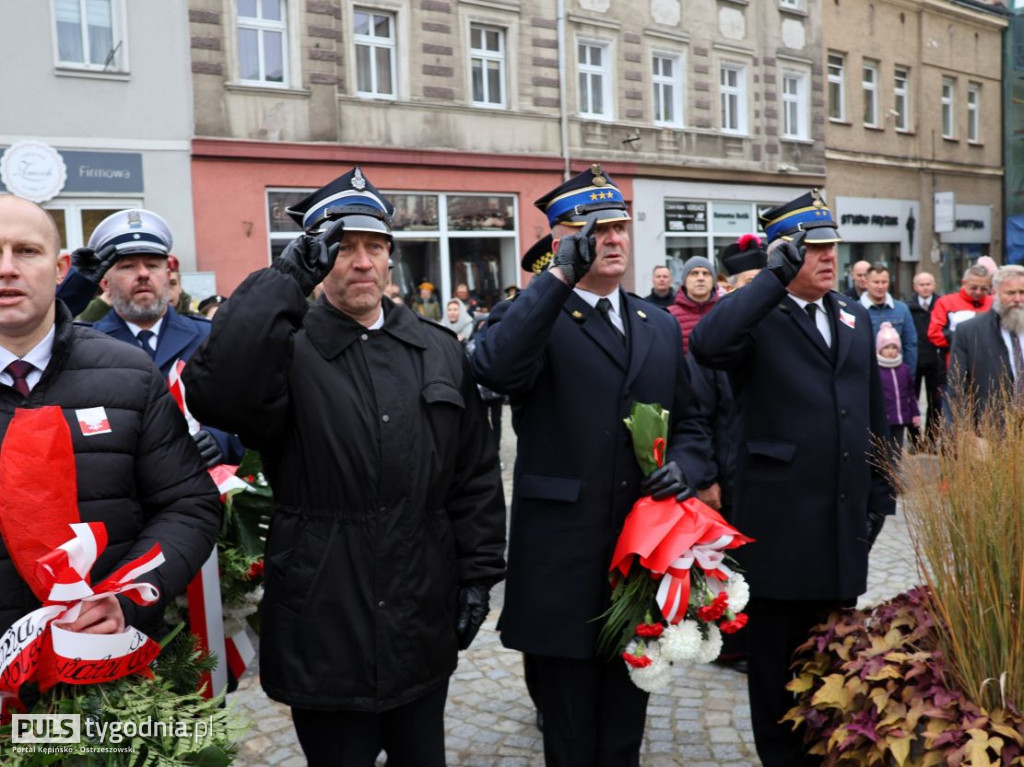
x: 308, y: 258
x: 665, y: 482
x: 576, y: 252
x: 209, y: 450
x: 474, y: 604
x: 93, y: 265
x: 786, y: 258
x: 875, y: 523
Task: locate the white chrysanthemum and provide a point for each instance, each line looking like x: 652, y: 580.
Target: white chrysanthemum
x: 711, y: 647
x: 655, y: 677
x: 739, y: 592
x: 681, y: 642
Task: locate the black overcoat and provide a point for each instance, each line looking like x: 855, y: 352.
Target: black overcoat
x: 386, y: 485
x: 804, y: 477
x: 571, y: 383
x: 979, y: 365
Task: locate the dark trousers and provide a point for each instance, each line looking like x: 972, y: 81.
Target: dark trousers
x: 594, y: 715
x: 896, y: 431
x: 776, y: 629
x: 412, y: 735
x: 934, y: 378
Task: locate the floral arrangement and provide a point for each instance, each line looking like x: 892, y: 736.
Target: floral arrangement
x: 673, y: 591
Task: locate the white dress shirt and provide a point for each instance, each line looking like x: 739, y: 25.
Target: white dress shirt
x: 39, y: 356
x: 614, y: 314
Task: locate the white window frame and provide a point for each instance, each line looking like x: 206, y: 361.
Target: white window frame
x: 73, y: 208
x: 373, y: 42
x: 837, y: 86
x: 901, y: 97
x: 485, y: 56
x: 974, y: 113
x: 948, y: 112
x: 262, y: 26
x: 586, y: 72
x: 869, y: 88
x: 792, y: 5
x: 118, y: 35
x: 737, y: 93
x: 673, y: 84
x: 794, y: 105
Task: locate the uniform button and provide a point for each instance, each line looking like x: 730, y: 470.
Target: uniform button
x: 846, y: 456
x: 842, y: 497
x: 363, y: 337
x: 380, y: 603
x: 624, y: 484
x: 625, y: 394
x: 383, y: 509
x: 843, y: 412
x: 385, y: 418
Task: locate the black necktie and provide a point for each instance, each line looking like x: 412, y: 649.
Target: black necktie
x: 1018, y: 364
x: 812, y: 310
x: 604, y: 306
x: 143, y: 337
x: 19, y: 370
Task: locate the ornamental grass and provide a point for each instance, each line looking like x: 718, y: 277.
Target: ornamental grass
x: 964, y: 507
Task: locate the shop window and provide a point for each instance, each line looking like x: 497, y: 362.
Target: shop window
x: 262, y: 42
x: 280, y: 225
x: 90, y: 34
x: 76, y: 221
x: 704, y: 228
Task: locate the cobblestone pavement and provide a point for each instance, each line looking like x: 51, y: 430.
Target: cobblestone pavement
x: 703, y: 722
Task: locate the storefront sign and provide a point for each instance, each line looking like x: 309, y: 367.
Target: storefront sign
x: 683, y: 216
x: 33, y: 170
x: 730, y: 218
x: 865, y: 219
x: 36, y: 171
x: 973, y: 225
x: 945, y: 212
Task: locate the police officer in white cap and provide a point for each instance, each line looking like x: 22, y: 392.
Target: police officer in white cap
x: 389, y: 528
x: 127, y: 255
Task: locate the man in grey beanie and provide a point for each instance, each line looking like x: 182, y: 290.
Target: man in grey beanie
x: 696, y: 296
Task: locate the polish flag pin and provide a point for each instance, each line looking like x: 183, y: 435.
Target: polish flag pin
x: 93, y: 421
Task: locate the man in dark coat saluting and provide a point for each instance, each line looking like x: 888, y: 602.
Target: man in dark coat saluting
x: 574, y: 351
x: 389, y: 519
x: 801, y: 359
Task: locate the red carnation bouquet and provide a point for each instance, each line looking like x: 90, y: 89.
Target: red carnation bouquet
x: 674, y: 589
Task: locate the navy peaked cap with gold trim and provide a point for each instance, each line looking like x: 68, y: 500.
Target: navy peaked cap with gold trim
x: 583, y: 194
x: 351, y: 197
x: 807, y: 213
x: 537, y: 258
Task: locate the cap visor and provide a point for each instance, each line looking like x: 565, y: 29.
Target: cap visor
x: 822, y: 235
x: 604, y: 217
x: 357, y: 223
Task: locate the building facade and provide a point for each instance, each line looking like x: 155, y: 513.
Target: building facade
x: 914, y: 134
x: 465, y: 111
x: 97, y: 113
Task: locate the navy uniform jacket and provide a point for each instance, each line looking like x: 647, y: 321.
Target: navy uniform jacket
x: 571, y: 382
x: 804, y: 478
x: 179, y: 337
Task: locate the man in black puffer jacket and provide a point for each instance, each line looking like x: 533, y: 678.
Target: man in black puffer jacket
x: 143, y: 477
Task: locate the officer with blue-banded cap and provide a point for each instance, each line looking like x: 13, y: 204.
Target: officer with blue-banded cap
x: 127, y: 256
x: 812, y: 436
x: 574, y: 351
x: 390, y: 523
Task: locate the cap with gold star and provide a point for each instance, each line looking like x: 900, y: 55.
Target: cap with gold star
x: 807, y: 213
x: 583, y: 194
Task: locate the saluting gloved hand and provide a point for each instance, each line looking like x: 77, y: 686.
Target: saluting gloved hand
x: 93, y: 265
x: 665, y: 482
x: 474, y: 604
x: 308, y: 258
x: 786, y: 258
x: 209, y: 450
x: 576, y: 253
x: 875, y: 523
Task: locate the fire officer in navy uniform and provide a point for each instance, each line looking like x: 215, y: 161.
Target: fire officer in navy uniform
x: 574, y: 351
x: 128, y: 255
x: 802, y: 363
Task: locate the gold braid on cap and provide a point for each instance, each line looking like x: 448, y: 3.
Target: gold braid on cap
x: 542, y: 263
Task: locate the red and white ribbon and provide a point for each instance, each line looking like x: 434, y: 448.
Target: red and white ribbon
x: 34, y: 648
x: 674, y: 590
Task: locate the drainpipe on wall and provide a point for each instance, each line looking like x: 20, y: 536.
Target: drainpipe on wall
x: 563, y: 89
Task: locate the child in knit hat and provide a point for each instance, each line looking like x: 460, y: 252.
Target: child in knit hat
x: 897, y: 383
